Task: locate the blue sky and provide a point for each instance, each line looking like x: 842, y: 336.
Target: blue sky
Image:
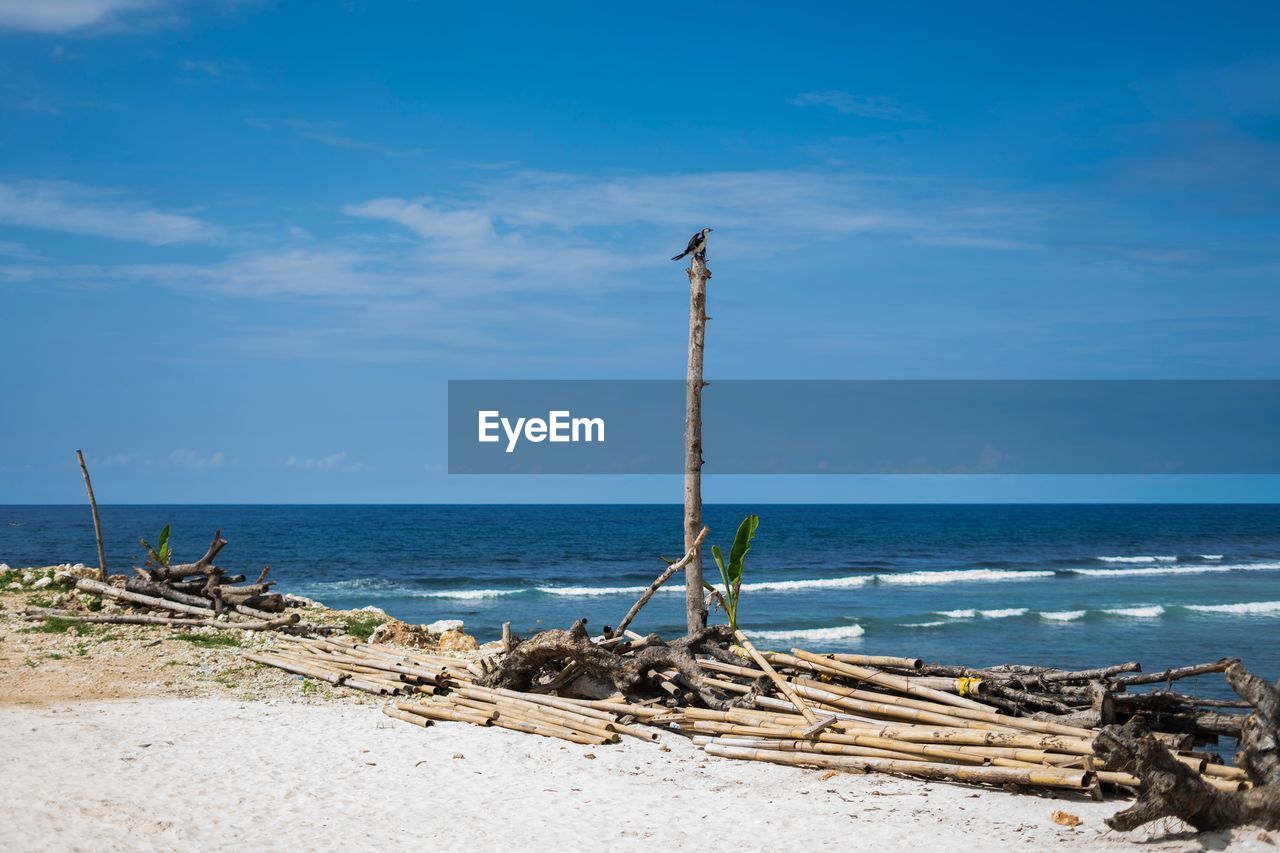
x: 243, y: 245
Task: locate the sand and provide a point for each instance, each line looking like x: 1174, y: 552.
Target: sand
x: 217, y: 773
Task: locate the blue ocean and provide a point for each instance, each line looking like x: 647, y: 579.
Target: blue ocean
x: 1063, y: 585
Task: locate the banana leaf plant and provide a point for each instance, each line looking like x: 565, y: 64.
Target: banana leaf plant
x: 159, y: 555
x: 727, y: 596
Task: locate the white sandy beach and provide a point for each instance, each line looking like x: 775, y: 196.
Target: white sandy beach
x: 220, y: 774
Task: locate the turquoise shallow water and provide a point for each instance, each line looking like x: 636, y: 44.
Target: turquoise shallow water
x: 1063, y: 585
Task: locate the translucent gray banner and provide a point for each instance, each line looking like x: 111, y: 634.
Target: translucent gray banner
x: 868, y: 427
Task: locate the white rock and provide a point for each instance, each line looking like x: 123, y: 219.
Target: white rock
x: 369, y: 608
x: 77, y: 566
x: 27, y: 577
x: 42, y: 583
x: 4, y: 567
x: 442, y: 625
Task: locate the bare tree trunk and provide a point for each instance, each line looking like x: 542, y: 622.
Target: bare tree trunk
x: 695, y: 602
x: 97, y: 525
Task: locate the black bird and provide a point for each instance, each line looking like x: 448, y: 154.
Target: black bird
x: 697, y: 245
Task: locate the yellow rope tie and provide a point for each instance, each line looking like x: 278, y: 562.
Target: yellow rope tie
x: 968, y: 686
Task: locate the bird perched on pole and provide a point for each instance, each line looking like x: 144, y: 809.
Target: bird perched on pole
x: 697, y: 245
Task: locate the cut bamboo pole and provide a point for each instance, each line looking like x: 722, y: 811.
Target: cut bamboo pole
x: 440, y: 711
x: 861, y: 746
x: 1045, y: 777
x: 880, y: 660
x: 892, y: 682
x: 778, y: 680
x: 416, y: 719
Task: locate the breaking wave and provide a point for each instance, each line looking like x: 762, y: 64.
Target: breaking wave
x: 1248, y: 607
x: 1062, y: 615
x: 844, y: 632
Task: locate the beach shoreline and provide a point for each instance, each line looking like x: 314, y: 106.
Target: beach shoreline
x: 335, y: 775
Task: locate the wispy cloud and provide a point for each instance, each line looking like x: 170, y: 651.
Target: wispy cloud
x: 65, y: 16
x: 77, y: 209
x: 864, y: 106
x: 332, y: 462
x: 331, y: 133
x: 196, y: 461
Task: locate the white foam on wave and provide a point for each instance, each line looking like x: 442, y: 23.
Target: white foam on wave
x: 850, y: 582
x: 1248, y: 607
x: 961, y: 576
x: 1150, y: 612
x: 1211, y: 556
x: 582, y: 591
x: 958, y: 614
x: 922, y: 624
x: 463, y: 594
x: 1003, y: 614
x: 1137, y: 559
x: 843, y: 632
x: 1062, y: 615
x: 1175, y: 570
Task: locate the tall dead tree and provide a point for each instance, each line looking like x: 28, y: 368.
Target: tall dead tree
x: 695, y: 602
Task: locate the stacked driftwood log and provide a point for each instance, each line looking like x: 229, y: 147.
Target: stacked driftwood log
x: 849, y: 712
x: 195, y: 594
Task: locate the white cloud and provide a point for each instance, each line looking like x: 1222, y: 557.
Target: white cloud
x: 77, y: 209
x: 195, y: 461
x: 332, y: 462
x: 330, y: 133
x: 864, y: 106
x: 62, y: 16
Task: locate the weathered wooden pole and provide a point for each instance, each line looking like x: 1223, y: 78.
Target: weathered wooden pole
x: 97, y: 525
x: 695, y: 601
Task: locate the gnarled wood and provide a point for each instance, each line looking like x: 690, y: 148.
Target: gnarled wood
x: 629, y: 674
x: 1170, y: 788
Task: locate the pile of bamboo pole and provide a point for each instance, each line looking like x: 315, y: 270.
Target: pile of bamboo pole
x: 847, y: 712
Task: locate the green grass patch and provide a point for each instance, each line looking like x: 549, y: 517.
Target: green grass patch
x: 209, y: 641
x: 58, y: 625
x: 361, y: 627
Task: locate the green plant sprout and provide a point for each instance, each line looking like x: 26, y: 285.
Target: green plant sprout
x: 731, y: 573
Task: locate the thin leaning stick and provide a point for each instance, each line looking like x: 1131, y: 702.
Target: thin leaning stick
x: 658, y: 582
x: 781, y: 682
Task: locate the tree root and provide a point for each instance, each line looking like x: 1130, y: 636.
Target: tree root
x: 1171, y: 789
x: 630, y: 674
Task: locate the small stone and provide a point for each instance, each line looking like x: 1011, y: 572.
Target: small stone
x: 1064, y: 818
x: 441, y: 625
x: 28, y: 578
x: 41, y: 583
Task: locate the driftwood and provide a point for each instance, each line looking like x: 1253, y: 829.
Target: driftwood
x: 1169, y: 788
x: 629, y: 674
x: 690, y: 554
x: 203, y: 566
x: 97, y: 524
x: 199, y: 590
